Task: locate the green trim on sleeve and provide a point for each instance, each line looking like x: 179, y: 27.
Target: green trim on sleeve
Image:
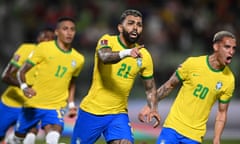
x: 15, y: 63
x: 178, y: 75
x: 146, y: 77
x: 224, y: 101
x: 104, y: 47
x: 30, y: 62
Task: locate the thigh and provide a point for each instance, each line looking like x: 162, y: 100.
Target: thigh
x: 168, y: 136
x: 8, y: 118
x: 119, y: 129
x: 88, y: 128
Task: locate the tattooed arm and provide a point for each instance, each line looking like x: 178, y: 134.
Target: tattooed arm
x: 152, y: 101
x: 162, y: 92
x: 167, y: 87
x: 108, y: 56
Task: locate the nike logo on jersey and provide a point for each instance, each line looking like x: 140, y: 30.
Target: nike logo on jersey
x: 195, y: 74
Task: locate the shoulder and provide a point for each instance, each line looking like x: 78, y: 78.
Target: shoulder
x: 228, y: 71
x: 77, y: 54
x: 27, y: 46
x: 47, y: 43
x: 196, y: 59
x: 107, y: 37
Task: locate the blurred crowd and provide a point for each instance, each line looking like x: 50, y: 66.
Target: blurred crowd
x: 173, y: 29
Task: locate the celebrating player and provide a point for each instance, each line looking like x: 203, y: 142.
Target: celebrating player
x: 118, y: 60
x: 205, y: 80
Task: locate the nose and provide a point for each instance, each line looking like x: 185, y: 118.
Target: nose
x: 232, y: 50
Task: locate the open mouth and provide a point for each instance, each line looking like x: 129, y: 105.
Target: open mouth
x: 229, y: 58
x: 133, y: 34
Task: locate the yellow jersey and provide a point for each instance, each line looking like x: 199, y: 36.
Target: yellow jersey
x: 112, y: 83
x: 13, y: 96
x: 201, y: 87
x: 55, y: 69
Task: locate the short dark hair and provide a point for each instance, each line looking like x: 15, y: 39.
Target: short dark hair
x: 130, y: 12
x: 221, y: 34
x: 64, y: 18
x: 47, y: 29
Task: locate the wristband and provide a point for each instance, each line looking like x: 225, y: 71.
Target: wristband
x: 23, y: 86
x: 71, y: 105
x: 124, y: 53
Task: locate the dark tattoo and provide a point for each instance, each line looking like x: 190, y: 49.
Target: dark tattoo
x: 107, y: 56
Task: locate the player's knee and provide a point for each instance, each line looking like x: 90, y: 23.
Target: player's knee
x: 52, y: 137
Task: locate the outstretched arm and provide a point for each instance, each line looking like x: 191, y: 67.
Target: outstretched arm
x: 220, y: 122
x: 108, y: 56
x: 167, y: 87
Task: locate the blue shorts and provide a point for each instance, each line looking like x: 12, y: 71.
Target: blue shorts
x: 170, y: 136
x: 9, y: 116
x: 31, y: 117
x: 88, y: 128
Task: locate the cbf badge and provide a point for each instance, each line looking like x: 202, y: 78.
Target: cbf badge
x: 139, y: 62
x: 219, y: 85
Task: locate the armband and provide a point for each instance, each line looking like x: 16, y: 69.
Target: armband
x: 71, y: 105
x: 124, y: 53
x: 23, y: 86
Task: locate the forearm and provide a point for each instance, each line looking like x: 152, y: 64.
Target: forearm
x: 10, y: 80
x: 219, y: 126
x: 21, y: 75
x: 71, y: 98
x: 9, y: 75
x: 108, y: 57
x: 163, y: 92
x: 151, y: 93
x: 167, y: 87
x: 152, y: 100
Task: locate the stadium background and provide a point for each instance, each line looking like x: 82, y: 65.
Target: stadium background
x: 173, y: 30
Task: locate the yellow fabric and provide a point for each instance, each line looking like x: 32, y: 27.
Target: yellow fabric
x: 202, y: 87
x: 13, y: 96
x: 112, y: 82
x: 55, y: 70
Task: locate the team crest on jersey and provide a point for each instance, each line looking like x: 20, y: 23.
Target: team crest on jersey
x: 104, y: 42
x: 219, y: 85
x: 74, y: 63
x: 139, y: 62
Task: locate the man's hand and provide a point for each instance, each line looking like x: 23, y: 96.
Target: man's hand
x: 135, y: 52
x: 147, y: 115
x: 29, y: 92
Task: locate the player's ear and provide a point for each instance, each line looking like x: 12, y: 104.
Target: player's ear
x: 120, y: 28
x: 215, y: 46
x: 56, y: 32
